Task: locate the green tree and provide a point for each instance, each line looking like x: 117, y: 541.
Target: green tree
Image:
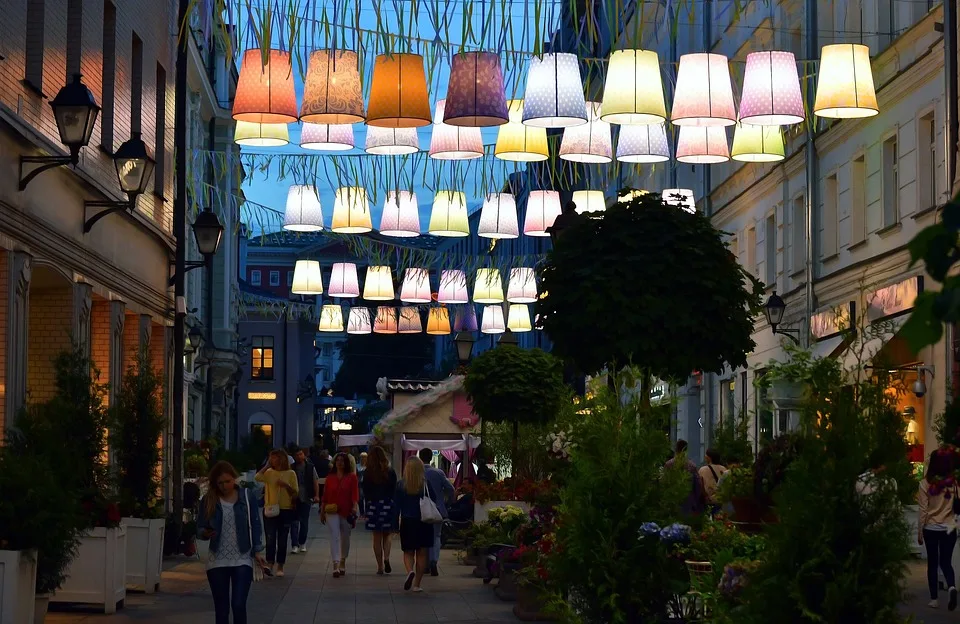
x: 367, y: 357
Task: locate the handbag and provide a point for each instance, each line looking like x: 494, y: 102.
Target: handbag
x: 257, y: 570
x: 332, y: 508
x: 429, y: 513
x: 271, y: 511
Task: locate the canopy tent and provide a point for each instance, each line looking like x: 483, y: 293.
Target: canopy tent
x: 415, y: 444
x: 355, y: 440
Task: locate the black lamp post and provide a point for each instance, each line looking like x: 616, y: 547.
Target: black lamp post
x: 207, y: 233
x: 464, y: 343
x: 194, y: 339
x: 773, y: 309
x: 508, y: 338
x: 134, y: 165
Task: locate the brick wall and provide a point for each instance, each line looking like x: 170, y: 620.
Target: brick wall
x: 100, y: 338
x: 131, y: 341
x: 49, y: 335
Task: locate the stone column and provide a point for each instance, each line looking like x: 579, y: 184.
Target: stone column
x: 81, y: 325
x: 117, y: 319
x: 18, y: 317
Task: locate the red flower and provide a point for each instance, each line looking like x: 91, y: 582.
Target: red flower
x: 113, y: 513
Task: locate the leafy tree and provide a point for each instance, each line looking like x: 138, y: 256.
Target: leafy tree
x: 367, y: 357
x: 647, y: 284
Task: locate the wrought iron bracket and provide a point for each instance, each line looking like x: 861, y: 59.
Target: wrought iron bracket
x: 43, y: 163
x: 189, y: 266
x: 110, y: 207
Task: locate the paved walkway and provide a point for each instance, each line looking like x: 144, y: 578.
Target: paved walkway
x: 309, y: 594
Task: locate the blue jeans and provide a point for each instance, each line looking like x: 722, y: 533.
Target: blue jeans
x: 226, y: 597
x: 301, y: 524
x: 435, y: 549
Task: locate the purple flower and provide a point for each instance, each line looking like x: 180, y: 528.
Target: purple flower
x: 648, y: 529
x: 676, y: 533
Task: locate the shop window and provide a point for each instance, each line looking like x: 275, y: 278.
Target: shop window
x: 265, y: 430
x: 274, y: 278
x: 261, y: 366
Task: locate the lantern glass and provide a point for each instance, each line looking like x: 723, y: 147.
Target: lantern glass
x: 207, y: 232
x: 519, y: 143
x: 75, y: 110
x: 134, y: 165
x: 774, y: 309
x: 464, y: 343
x: 498, y: 218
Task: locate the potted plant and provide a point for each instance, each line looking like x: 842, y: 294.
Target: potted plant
x: 137, y: 424
x: 737, y: 490
x: 788, y: 383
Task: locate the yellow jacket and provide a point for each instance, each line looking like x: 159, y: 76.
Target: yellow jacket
x: 273, y: 493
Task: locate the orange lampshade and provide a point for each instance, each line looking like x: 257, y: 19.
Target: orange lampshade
x: 398, y: 93
x: 438, y: 322
x: 265, y: 92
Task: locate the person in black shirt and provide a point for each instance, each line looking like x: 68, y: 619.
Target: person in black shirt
x: 379, y: 484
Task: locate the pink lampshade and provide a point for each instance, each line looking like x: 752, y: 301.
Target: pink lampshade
x: 465, y: 319
x: 410, y: 322
x: 704, y: 93
x: 401, y: 215
x: 343, y: 280
x: 416, y: 286
x: 498, y: 218
x: 452, y: 142
x: 590, y: 142
x: 386, y: 321
x: 771, y: 90
x: 493, y: 321
x: 522, y: 287
x: 326, y: 138
x: 453, y: 287
x: 702, y: 145
x: 265, y: 91
x: 475, y: 95
x: 392, y: 141
x: 358, y: 321
x: 543, y: 208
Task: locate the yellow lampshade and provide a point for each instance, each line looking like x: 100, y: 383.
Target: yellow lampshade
x: 845, y: 84
x: 449, y: 215
x: 332, y: 92
x: 518, y: 319
x: 757, y: 143
x: 488, y: 287
x: 438, y: 322
x: 519, y: 143
x: 261, y: 135
x: 633, y: 90
x: 589, y: 201
x: 409, y: 321
x: 265, y: 88
x: 331, y: 319
x: 386, y: 321
x: 307, y: 278
x: 379, y: 283
x: 351, y: 211
x: 398, y: 93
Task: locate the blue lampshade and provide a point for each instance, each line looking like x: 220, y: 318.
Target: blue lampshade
x: 554, y: 94
x: 466, y: 319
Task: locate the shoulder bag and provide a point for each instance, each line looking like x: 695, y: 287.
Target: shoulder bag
x: 257, y: 570
x: 428, y: 509
x: 272, y: 511
x: 333, y: 508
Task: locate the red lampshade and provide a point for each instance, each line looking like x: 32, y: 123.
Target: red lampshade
x: 265, y: 91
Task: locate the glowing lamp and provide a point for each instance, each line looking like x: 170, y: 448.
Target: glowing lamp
x: 265, y: 90
x: 492, y: 321
x: 416, y: 286
x: 519, y: 143
x: 475, y: 95
x: 303, y: 212
x: 498, y: 217
x: 398, y: 92
x: 454, y: 142
x: 344, y: 281
x: 589, y: 201
x: 643, y: 144
x: 358, y: 321
x: 332, y: 92
x: 771, y: 90
x: 845, y: 84
x: 522, y: 287
x: 438, y: 322
x: 307, y: 278
x: 378, y: 286
x: 331, y: 319
x: 489, y: 287
x: 554, y: 94
x: 543, y: 208
x: 518, y: 318
x: 681, y: 198
x: 633, y: 90
x: 590, y: 142
x: 260, y: 135
x: 453, y: 287
x: 449, y: 215
x: 324, y: 138
x: 351, y: 211
x: 409, y: 321
x: 392, y: 141
x: 702, y: 145
x: 386, y: 321
x: 757, y: 144
x: 704, y: 93
x: 401, y: 215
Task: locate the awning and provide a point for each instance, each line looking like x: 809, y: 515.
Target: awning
x: 868, y: 344
x: 458, y: 444
x: 355, y: 440
x: 828, y: 347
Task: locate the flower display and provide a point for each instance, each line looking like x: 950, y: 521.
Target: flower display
x: 649, y: 529
x: 676, y: 533
x: 560, y: 443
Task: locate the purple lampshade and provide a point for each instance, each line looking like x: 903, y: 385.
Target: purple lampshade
x: 466, y: 319
x: 475, y: 95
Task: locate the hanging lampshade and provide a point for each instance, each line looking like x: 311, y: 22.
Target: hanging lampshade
x: 681, y: 198
x: 307, y: 278
x: 702, y: 145
x: 332, y: 92
x: 449, y: 215
x: 522, y: 287
x: 492, y: 321
x: 845, y: 84
x: 351, y: 211
x: 401, y: 215
x: 489, y: 287
x: 453, y: 142
x: 543, y: 208
x: 643, y: 144
x: 466, y: 319
x: 519, y: 143
x: 627, y: 196
x: 518, y: 319
x: 324, y: 138
x: 589, y: 201
x: 331, y: 318
x: 633, y: 89
x: 343, y: 280
x: 409, y: 321
x: 303, y: 212
x: 392, y: 141
x: 358, y: 321
x: 398, y: 93
x: 260, y: 135
x: 416, y: 286
x: 554, y: 94
x: 475, y: 95
x: 771, y: 90
x: 386, y: 321
x: 378, y: 286
x: 498, y: 218
x: 590, y: 142
x: 438, y: 322
x: 757, y: 143
x: 704, y: 93
x: 453, y: 287
x: 265, y: 92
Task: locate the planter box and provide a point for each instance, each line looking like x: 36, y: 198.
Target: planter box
x: 480, y: 510
x: 144, y: 552
x: 506, y: 589
x: 98, y: 574
x: 788, y: 395
x: 910, y: 515
x: 18, y: 582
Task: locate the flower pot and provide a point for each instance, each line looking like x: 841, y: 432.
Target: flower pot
x: 480, y: 568
x: 144, y: 552
x: 471, y: 556
x: 41, y: 602
x: 531, y: 603
x: 788, y: 395
x: 98, y: 574
x: 18, y: 582
x: 481, y: 510
x: 506, y: 589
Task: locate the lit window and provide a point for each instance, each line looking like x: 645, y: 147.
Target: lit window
x: 261, y: 366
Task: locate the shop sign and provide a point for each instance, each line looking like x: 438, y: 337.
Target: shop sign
x: 894, y: 299
x: 261, y: 396
x: 831, y: 321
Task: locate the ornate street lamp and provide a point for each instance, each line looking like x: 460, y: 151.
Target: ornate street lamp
x: 207, y: 231
x: 194, y: 339
x: 464, y: 343
x: 508, y: 338
x: 773, y: 309
x: 134, y: 166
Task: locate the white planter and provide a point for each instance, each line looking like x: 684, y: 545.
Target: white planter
x: 788, y: 395
x: 911, y: 514
x: 98, y: 574
x: 18, y: 582
x: 480, y: 510
x: 144, y: 552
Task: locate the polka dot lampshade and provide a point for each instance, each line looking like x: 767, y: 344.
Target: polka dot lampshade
x: 475, y: 96
x: 265, y: 89
x: 416, y: 286
x: 492, y: 321
x: 543, y: 208
x: 358, y: 321
x: 303, y: 212
x: 449, y: 215
x: 633, y: 90
x: 307, y: 278
x: 704, y: 93
x: 643, y: 144
x: 398, y: 92
x: 465, y: 319
x: 378, y: 286
x: 589, y: 143
x: 589, y: 201
x: 519, y: 143
x: 453, y: 142
x: 438, y: 322
x: 522, y: 287
x: 498, y: 217
x: 351, y: 211
x: 409, y: 321
x: 332, y: 92
x: 453, y: 287
x: 771, y: 90
x: 392, y: 141
x: 518, y: 319
x: 489, y: 287
x: 702, y: 145
x: 331, y: 318
x: 845, y: 84
x: 260, y: 135
x: 757, y: 143
x: 401, y: 215
x: 554, y: 93
x: 343, y: 280
x: 386, y: 321
x: 322, y: 137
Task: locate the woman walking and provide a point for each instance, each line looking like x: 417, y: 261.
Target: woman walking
x: 379, y: 485
x: 937, y: 524
x: 230, y: 519
x: 339, y: 510
x: 279, y: 508
x: 416, y: 536
x: 710, y: 474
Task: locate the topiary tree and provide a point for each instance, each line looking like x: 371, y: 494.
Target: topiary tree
x: 651, y: 285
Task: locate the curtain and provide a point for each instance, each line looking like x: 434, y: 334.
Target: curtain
x: 451, y: 456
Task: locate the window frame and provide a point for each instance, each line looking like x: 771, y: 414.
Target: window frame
x: 256, y: 278
x: 826, y: 254
x: 274, y: 282
x: 267, y: 352
x: 770, y: 274
x: 927, y: 185
x: 889, y: 138
x: 798, y: 234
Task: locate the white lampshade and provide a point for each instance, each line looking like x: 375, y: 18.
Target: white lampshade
x: 498, y: 218
x: 416, y: 286
x: 771, y: 90
x: 488, y: 287
x: 401, y: 215
x: 704, y: 93
x: 386, y: 321
x: 702, y: 145
x: 633, y: 89
x: 343, y: 280
x: 378, y: 286
x: 589, y: 201
x: 438, y: 322
x: 628, y: 196
x: 322, y: 137
x: 409, y: 321
x: 519, y: 143
x: 492, y: 320
x: 757, y: 143
x: 358, y: 321
x: 351, y: 211
x: 453, y: 287
x: 522, y: 287
x: 303, y: 212
x: 845, y: 87
x: 391, y: 141
x: 454, y: 142
x: 543, y: 208
x: 554, y: 93
x: 449, y: 215
x: 681, y: 198
x: 307, y: 278
x: 643, y: 144
x: 518, y: 319
x: 261, y: 135
x: 590, y: 142
x: 331, y: 319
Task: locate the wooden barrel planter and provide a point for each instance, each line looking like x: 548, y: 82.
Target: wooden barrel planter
x: 531, y: 604
x: 506, y: 589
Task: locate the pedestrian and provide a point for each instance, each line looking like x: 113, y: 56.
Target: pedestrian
x: 230, y: 519
x: 378, y: 487
x: 361, y: 469
x: 322, y: 464
x: 416, y: 536
x: 309, y: 493
x: 710, y: 474
x: 339, y: 510
x: 445, y: 491
x: 937, y: 523
x: 695, y: 502
x: 280, y: 496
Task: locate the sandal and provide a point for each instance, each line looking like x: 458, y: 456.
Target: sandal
x: 336, y: 573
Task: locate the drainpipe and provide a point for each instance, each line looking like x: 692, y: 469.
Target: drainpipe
x: 708, y: 378
x: 286, y: 373
x: 810, y: 153
x: 950, y: 151
x: 208, y: 303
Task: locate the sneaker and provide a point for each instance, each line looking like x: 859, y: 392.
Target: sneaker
x: 386, y: 567
x: 294, y: 550
x: 952, y: 604
x: 409, y: 582
x: 303, y: 549
x: 433, y: 569
x: 933, y: 604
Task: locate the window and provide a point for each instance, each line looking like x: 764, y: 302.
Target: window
x: 109, y: 78
x: 886, y: 21
x: 289, y: 278
x: 136, y: 83
x: 763, y: 424
x: 262, y: 432
x: 891, y: 182
x: 255, y: 277
x: 322, y: 376
x: 261, y: 366
x: 927, y: 161
x: 160, y: 144
x: 727, y: 401
x: 828, y: 228
x: 34, y: 52
x: 74, y: 35
x: 770, y: 251
x: 858, y: 200
x: 274, y: 278
x: 735, y: 247
x: 326, y: 350
x: 751, y: 259
x: 798, y: 229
